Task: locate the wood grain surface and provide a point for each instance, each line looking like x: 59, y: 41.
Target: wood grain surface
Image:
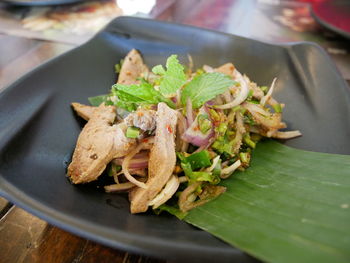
x: 26, y: 238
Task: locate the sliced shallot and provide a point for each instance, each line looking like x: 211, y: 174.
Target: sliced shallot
x: 168, y: 191
x: 269, y: 93
x: 226, y: 172
x: 215, y: 162
x: 119, y: 187
x: 241, y: 96
x: 286, y: 134
x: 125, y: 165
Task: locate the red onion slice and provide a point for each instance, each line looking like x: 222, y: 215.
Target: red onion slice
x: 194, y: 135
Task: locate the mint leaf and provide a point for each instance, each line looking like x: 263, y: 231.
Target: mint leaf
x: 172, y: 78
x: 97, y: 100
x: 205, y: 87
x: 131, y: 96
x: 159, y: 70
x: 129, y: 106
x: 143, y: 92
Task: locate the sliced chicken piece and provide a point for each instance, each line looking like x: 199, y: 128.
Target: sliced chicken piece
x: 143, y: 119
x: 98, y: 143
x: 162, y: 160
x: 132, y: 68
x: 84, y: 111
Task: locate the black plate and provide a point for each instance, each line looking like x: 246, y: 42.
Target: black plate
x: 38, y: 129
x: 334, y: 15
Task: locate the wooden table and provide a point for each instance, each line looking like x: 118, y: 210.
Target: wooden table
x: 26, y: 238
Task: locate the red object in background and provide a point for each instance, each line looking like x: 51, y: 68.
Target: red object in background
x: 312, y: 1
x: 333, y: 14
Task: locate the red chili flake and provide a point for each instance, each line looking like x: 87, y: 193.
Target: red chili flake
x: 145, y: 140
x: 170, y: 130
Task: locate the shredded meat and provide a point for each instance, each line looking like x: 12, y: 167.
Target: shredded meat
x: 99, y: 142
x: 162, y: 160
x: 132, y: 68
x: 239, y: 132
x: 143, y: 119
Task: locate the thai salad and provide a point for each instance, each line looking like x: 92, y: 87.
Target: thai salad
x: 168, y: 135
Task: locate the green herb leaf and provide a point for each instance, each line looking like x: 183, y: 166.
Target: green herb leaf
x: 171, y: 210
x: 204, y: 177
x: 289, y: 206
x: 114, y: 169
x: 142, y: 94
x: 159, y: 70
x: 118, y: 67
x: 217, y: 169
x: 97, y: 100
x: 198, y: 176
x: 199, y: 160
x: 205, y: 87
x: 277, y: 108
x: 172, y: 78
x: 248, y: 141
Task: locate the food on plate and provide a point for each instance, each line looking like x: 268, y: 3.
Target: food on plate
x: 168, y: 136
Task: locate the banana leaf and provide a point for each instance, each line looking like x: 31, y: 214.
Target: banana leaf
x: 289, y: 206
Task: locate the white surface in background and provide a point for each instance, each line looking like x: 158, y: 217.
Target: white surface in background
x: 132, y: 7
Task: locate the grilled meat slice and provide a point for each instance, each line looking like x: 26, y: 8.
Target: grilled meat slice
x: 99, y: 142
x: 162, y: 160
x: 84, y: 111
x: 132, y: 68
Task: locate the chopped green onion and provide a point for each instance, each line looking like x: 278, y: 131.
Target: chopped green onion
x: 264, y: 89
x: 118, y: 67
x: 245, y: 157
x: 248, y: 141
x: 254, y: 101
x: 132, y: 132
x: 236, y: 108
x: 250, y: 93
x: 243, y: 111
x: 277, y: 108
x: 114, y: 169
x: 222, y: 127
x: 214, y: 115
x: 199, y: 160
x: 204, y: 177
x: 204, y: 123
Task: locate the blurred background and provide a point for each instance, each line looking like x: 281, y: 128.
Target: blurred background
x: 62, y: 24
